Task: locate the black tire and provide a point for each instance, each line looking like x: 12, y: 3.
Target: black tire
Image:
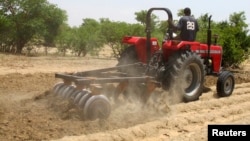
x: 225, y: 84
x: 185, y: 76
x: 128, y: 56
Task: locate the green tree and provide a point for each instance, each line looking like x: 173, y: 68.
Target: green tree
x: 28, y: 19
x: 113, y: 32
x: 52, y: 23
x: 5, y: 41
x: 233, y: 36
x: 89, y: 39
x: 65, y: 38
x: 141, y: 18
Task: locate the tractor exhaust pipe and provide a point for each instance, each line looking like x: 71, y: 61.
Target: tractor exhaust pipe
x: 209, y: 38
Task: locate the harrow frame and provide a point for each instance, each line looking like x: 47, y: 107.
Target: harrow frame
x: 74, y: 87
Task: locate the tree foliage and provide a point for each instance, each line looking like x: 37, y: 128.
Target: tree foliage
x: 113, y: 32
x: 25, y: 19
x: 232, y: 35
x: 234, y: 39
x: 88, y: 37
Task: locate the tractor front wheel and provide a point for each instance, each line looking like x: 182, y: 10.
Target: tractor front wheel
x: 225, y: 84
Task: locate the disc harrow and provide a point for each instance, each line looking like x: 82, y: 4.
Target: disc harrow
x: 85, y: 89
x: 92, y: 106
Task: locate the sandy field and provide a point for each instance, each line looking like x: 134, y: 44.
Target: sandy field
x: 29, y: 113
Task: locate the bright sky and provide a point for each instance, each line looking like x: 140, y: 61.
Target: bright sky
x: 123, y: 10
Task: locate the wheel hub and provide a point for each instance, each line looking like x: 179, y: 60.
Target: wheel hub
x: 228, y: 85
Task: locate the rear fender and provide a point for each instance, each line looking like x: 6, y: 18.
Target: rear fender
x: 169, y: 47
x: 172, y: 46
x: 140, y: 45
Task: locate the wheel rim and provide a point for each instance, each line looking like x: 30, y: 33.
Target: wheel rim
x: 228, y: 85
x: 192, y: 79
x: 188, y: 77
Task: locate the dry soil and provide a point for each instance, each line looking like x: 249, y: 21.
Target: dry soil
x: 29, y: 112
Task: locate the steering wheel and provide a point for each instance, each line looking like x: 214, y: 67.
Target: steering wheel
x: 170, y: 35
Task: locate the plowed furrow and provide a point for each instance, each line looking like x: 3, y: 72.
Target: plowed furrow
x: 187, y: 121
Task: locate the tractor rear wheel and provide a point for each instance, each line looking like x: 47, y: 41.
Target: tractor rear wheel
x: 128, y: 56
x: 185, y: 76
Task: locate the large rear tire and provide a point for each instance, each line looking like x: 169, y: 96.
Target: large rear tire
x: 128, y: 56
x: 185, y: 76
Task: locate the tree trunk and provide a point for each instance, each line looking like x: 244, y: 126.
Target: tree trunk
x: 46, y: 50
x: 79, y: 53
x: 19, y: 47
x: 116, y: 55
x: 19, y: 50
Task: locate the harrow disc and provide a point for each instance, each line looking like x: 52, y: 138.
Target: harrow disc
x: 61, y: 89
x: 71, y: 96
x: 97, y: 106
x: 83, y: 100
x: 79, y: 96
x: 68, y: 90
x: 57, y: 87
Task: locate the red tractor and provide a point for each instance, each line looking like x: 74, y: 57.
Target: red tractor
x: 181, y: 63
x: 177, y: 66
